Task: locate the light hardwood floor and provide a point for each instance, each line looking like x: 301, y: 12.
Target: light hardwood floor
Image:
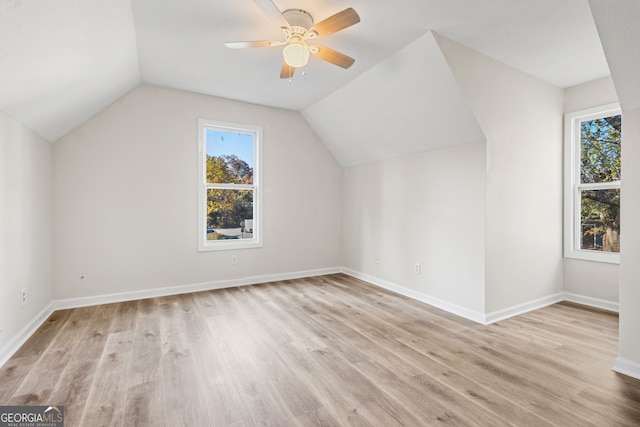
x: 326, y: 351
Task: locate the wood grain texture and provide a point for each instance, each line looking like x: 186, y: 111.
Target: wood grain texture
x: 323, y: 351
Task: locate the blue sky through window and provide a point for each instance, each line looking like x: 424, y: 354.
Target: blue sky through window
x: 221, y: 142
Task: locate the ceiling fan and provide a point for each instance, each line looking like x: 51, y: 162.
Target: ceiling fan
x: 298, y: 28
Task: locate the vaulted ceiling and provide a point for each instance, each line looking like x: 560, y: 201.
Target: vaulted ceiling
x: 63, y: 61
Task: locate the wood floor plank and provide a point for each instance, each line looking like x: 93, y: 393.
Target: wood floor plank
x: 40, y: 340
x: 292, y: 335
x: 106, y: 400
x: 73, y: 387
x: 182, y: 387
x: 46, y: 372
x: 144, y: 405
x: 210, y: 354
x: 520, y: 386
x: 147, y: 351
x: 98, y: 327
x: 13, y: 373
x: 432, y: 410
x: 363, y: 335
x: 322, y: 351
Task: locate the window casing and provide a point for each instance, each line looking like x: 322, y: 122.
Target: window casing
x: 592, y: 184
x: 229, y: 180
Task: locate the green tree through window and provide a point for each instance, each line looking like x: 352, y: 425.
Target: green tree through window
x: 228, y: 208
x: 600, y: 159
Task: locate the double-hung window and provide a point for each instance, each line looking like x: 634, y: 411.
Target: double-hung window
x: 229, y: 196
x: 592, y: 184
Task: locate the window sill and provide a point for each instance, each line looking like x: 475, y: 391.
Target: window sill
x: 607, y: 257
x: 227, y: 245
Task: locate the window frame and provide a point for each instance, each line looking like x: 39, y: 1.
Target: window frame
x: 217, y: 245
x: 573, y: 186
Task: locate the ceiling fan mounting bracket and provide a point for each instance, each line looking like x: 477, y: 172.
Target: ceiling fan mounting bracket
x: 298, y: 18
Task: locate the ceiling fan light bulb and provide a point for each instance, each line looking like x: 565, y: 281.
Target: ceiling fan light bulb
x: 296, y: 55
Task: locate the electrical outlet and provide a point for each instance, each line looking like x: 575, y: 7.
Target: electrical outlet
x: 416, y: 268
x: 234, y: 259
x: 23, y: 296
x: 377, y: 260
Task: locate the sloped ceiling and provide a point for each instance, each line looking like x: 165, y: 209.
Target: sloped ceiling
x: 408, y: 103
x: 619, y: 26
x: 63, y: 61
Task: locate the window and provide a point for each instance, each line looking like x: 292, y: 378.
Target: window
x: 229, y: 196
x: 592, y: 184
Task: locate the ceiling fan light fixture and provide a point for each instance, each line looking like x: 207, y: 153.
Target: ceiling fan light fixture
x: 296, y: 55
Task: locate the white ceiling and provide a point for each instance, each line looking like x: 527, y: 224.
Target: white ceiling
x: 619, y: 28
x: 61, y: 61
x: 401, y: 104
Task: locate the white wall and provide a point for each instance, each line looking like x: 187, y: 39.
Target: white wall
x: 597, y: 280
x: 426, y: 208
x: 590, y: 94
x: 25, y: 226
x: 619, y: 32
x: 125, y: 205
x: 629, y: 353
x: 521, y: 118
x: 484, y: 220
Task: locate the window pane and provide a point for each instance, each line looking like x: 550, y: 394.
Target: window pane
x: 230, y: 157
x: 600, y: 149
x: 600, y: 220
x: 229, y: 214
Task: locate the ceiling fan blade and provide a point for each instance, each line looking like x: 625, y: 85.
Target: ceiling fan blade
x: 287, y: 71
x: 333, y: 56
x: 337, y: 22
x: 271, y: 10
x: 243, y: 45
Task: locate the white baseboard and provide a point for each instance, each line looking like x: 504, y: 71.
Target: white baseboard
x: 516, y: 310
x: 16, y: 342
x: 418, y: 296
x: 627, y: 367
x: 622, y: 366
x: 592, y: 302
x: 19, y: 339
x: 187, y: 289
x: 489, y: 318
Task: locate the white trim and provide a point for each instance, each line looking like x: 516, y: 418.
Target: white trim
x: 490, y: 318
x: 526, y: 307
x: 592, y: 302
x: 186, y: 289
x: 18, y: 340
x: 418, y: 296
x: 572, y: 184
x: 627, y: 367
x: 205, y: 245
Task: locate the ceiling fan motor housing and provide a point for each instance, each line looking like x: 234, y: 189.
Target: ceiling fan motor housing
x: 298, y: 18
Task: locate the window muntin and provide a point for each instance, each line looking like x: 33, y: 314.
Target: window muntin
x: 593, y: 180
x: 229, y: 194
